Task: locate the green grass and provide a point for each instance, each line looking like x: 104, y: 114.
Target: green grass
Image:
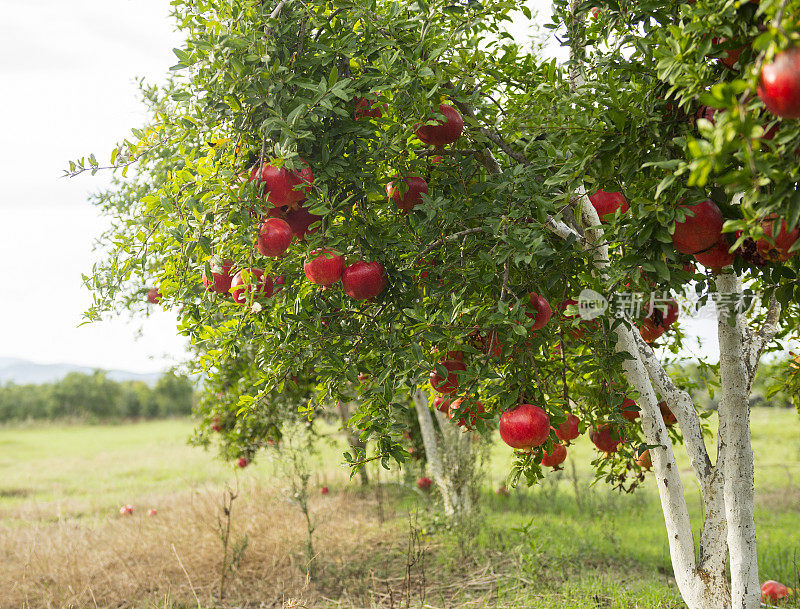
x: 603, y: 550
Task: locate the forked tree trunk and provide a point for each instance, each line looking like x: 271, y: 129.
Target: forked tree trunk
x: 451, y: 458
x: 727, y: 487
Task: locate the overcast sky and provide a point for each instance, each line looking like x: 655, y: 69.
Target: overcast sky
x: 68, y: 71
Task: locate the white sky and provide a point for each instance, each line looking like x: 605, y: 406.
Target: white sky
x: 67, y: 71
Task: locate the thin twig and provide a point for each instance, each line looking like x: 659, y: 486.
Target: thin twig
x: 453, y: 237
x: 188, y: 579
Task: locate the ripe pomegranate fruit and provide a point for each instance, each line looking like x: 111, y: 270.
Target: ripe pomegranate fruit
x: 406, y: 201
x: 220, y: 281
x: 775, y: 248
x: 441, y: 404
x: 717, y: 257
x: 449, y: 384
x: 605, y: 437
x: 666, y: 414
x: 325, y: 268
x: 281, y: 185
x: 650, y: 331
x: 274, y: 237
x: 569, y: 429
x: 300, y: 219
x: 779, y: 85
x: 556, y: 457
x: 524, y: 427
x: 773, y: 591
x: 250, y: 283
x: 424, y: 483
x: 365, y: 107
x: 472, y: 411
x: 445, y: 131
x: 630, y: 411
x: 643, y: 459
x: 541, y: 311
x: 699, y: 232
x: 607, y: 203
x: 363, y: 280
x: 242, y: 462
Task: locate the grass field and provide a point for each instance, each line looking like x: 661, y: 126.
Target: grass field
x: 63, y: 543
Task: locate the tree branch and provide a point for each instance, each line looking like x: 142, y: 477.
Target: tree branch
x: 453, y: 237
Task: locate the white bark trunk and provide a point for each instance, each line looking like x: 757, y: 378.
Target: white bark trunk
x: 734, y: 434
x: 449, y: 457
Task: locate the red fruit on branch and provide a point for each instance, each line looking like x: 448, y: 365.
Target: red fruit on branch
x: 541, y: 308
x: 630, y: 410
x: 664, y: 313
x: 524, y: 427
x: 445, y: 131
x: 643, y: 459
x: 717, y: 257
x: 250, y: 284
x: 605, y: 437
x: 450, y: 383
x: 666, y: 414
x: 274, y: 237
x: 569, y: 429
x: 325, y: 268
x: 699, y: 232
x: 281, y: 186
x: 441, y: 404
x: 324, y: 490
x: 242, y: 462
x: 216, y: 424
x: 406, y: 201
x: 727, y: 57
x: 363, y: 280
x: 424, y: 484
x: 220, y: 281
x: 556, y: 457
x: 472, y: 411
x: 773, y: 591
x: 154, y: 296
x: 367, y: 107
x: 607, y: 203
x: 650, y: 331
x: 775, y: 248
x: 300, y: 219
x: 779, y: 84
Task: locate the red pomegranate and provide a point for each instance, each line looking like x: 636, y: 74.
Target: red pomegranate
x: 445, y: 131
x: 699, y: 232
x: 154, y: 296
x: 666, y: 414
x: 473, y: 410
x: 556, y: 457
x: 607, y: 203
x: 441, y: 404
x: 605, y: 438
x: 424, y: 484
x: 542, y: 311
x: 300, y: 219
x: 779, y: 85
x: 776, y: 247
x: 717, y: 257
x: 630, y: 410
x: 406, y: 201
x: 569, y: 429
x: 773, y: 591
x: 524, y: 427
x: 449, y: 384
x: 367, y: 107
x: 643, y: 459
x: 250, y: 283
x: 363, y: 280
x: 325, y: 268
x: 650, y: 331
x: 274, y: 237
x: 220, y: 281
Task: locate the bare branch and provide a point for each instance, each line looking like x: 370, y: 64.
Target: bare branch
x: 453, y: 237
x: 764, y: 335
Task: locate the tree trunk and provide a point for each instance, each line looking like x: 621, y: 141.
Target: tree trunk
x: 734, y: 437
x: 450, y: 457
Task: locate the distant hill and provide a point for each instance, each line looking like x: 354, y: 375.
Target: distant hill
x: 23, y: 372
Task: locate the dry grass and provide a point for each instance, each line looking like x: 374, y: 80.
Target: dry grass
x: 174, y: 558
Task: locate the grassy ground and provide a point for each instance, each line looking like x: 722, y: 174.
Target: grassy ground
x: 63, y: 544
